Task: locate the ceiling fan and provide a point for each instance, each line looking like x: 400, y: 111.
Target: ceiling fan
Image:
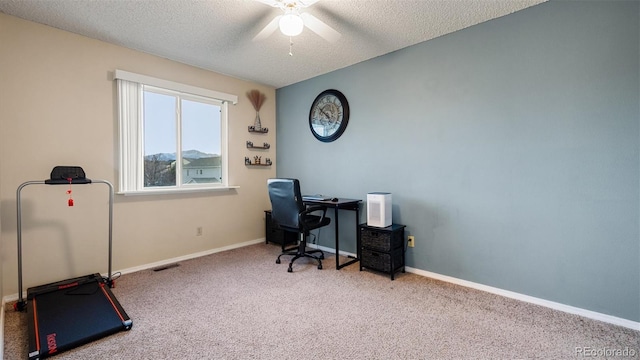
x: 292, y: 22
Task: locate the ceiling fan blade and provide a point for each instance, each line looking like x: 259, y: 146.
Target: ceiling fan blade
x: 320, y: 28
x: 283, y: 3
x: 305, y: 3
x: 273, y: 3
x: 268, y: 30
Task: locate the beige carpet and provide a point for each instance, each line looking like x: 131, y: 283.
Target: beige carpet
x: 239, y: 304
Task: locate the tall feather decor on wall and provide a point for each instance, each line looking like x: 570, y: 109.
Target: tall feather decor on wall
x: 257, y: 99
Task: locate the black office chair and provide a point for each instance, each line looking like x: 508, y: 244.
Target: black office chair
x: 290, y: 214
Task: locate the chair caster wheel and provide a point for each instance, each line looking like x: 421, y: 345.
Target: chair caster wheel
x: 319, y: 266
x: 289, y: 269
x: 277, y: 261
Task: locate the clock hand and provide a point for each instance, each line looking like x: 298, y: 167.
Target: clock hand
x: 326, y: 115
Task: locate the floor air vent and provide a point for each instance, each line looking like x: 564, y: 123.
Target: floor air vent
x: 165, y: 267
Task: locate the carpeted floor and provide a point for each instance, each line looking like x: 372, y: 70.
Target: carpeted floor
x: 239, y: 304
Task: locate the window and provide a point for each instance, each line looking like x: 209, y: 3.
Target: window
x: 173, y: 137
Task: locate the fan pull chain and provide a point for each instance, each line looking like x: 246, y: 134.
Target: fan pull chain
x: 290, y: 46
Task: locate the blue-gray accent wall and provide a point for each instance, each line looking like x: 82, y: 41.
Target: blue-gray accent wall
x: 511, y: 149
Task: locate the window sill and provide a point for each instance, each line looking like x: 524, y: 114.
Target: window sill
x: 177, y: 191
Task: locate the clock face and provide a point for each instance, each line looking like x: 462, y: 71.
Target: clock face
x: 329, y: 115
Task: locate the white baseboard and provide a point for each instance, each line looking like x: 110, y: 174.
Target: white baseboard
x: 331, y: 250
x: 14, y: 297
x: 509, y: 294
x: 530, y: 299
x: 189, y: 256
x: 513, y: 295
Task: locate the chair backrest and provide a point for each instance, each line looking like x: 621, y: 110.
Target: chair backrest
x: 286, y: 202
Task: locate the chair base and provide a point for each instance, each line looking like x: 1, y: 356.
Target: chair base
x: 300, y: 252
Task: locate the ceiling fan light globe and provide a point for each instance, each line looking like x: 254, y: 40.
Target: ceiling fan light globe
x: 291, y: 24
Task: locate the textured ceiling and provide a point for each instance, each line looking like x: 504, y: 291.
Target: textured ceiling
x: 217, y: 34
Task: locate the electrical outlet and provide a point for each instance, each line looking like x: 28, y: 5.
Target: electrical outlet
x: 411, y: 242
x: 199, y: 231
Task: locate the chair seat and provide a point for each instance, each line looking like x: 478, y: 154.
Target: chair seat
x: 313, y: 222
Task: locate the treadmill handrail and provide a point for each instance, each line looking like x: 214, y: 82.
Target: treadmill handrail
x: 19, y: 229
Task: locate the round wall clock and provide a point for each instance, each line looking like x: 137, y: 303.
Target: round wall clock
x: 329, y: 115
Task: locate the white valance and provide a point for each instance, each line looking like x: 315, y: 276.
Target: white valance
x: 166, y: 84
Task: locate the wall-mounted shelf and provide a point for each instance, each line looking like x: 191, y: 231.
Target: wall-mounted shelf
x: 257, y: 161
x: 264, y: 130
x: 263, y: 147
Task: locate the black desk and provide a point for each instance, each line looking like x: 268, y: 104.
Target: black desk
x: 344, y: 204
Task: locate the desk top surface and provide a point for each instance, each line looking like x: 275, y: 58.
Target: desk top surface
x: 328, y: 203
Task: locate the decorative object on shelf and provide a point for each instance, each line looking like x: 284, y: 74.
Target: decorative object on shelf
x: 329, y: 115
x: 263, y: 130
x: 257, y: 99
x: 251, y: 146
x: 257, y: 161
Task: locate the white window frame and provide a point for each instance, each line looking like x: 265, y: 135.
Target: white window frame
x: 131, y: 134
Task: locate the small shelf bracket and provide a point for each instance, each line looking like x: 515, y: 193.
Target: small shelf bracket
x: 264, y: 146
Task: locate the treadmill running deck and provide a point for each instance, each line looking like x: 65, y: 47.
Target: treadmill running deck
x: 70, y: 313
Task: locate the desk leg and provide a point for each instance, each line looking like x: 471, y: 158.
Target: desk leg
x: 358, y: 253
x: 335, y: 216
x: 358, y: 247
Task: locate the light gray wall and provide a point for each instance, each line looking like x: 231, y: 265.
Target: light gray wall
x: 511, y: 149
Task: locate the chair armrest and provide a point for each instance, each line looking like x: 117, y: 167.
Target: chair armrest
x: 313, y: 208
x: 302, y: 217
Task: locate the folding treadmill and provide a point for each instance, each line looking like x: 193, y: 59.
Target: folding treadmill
x: 69, y: 313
